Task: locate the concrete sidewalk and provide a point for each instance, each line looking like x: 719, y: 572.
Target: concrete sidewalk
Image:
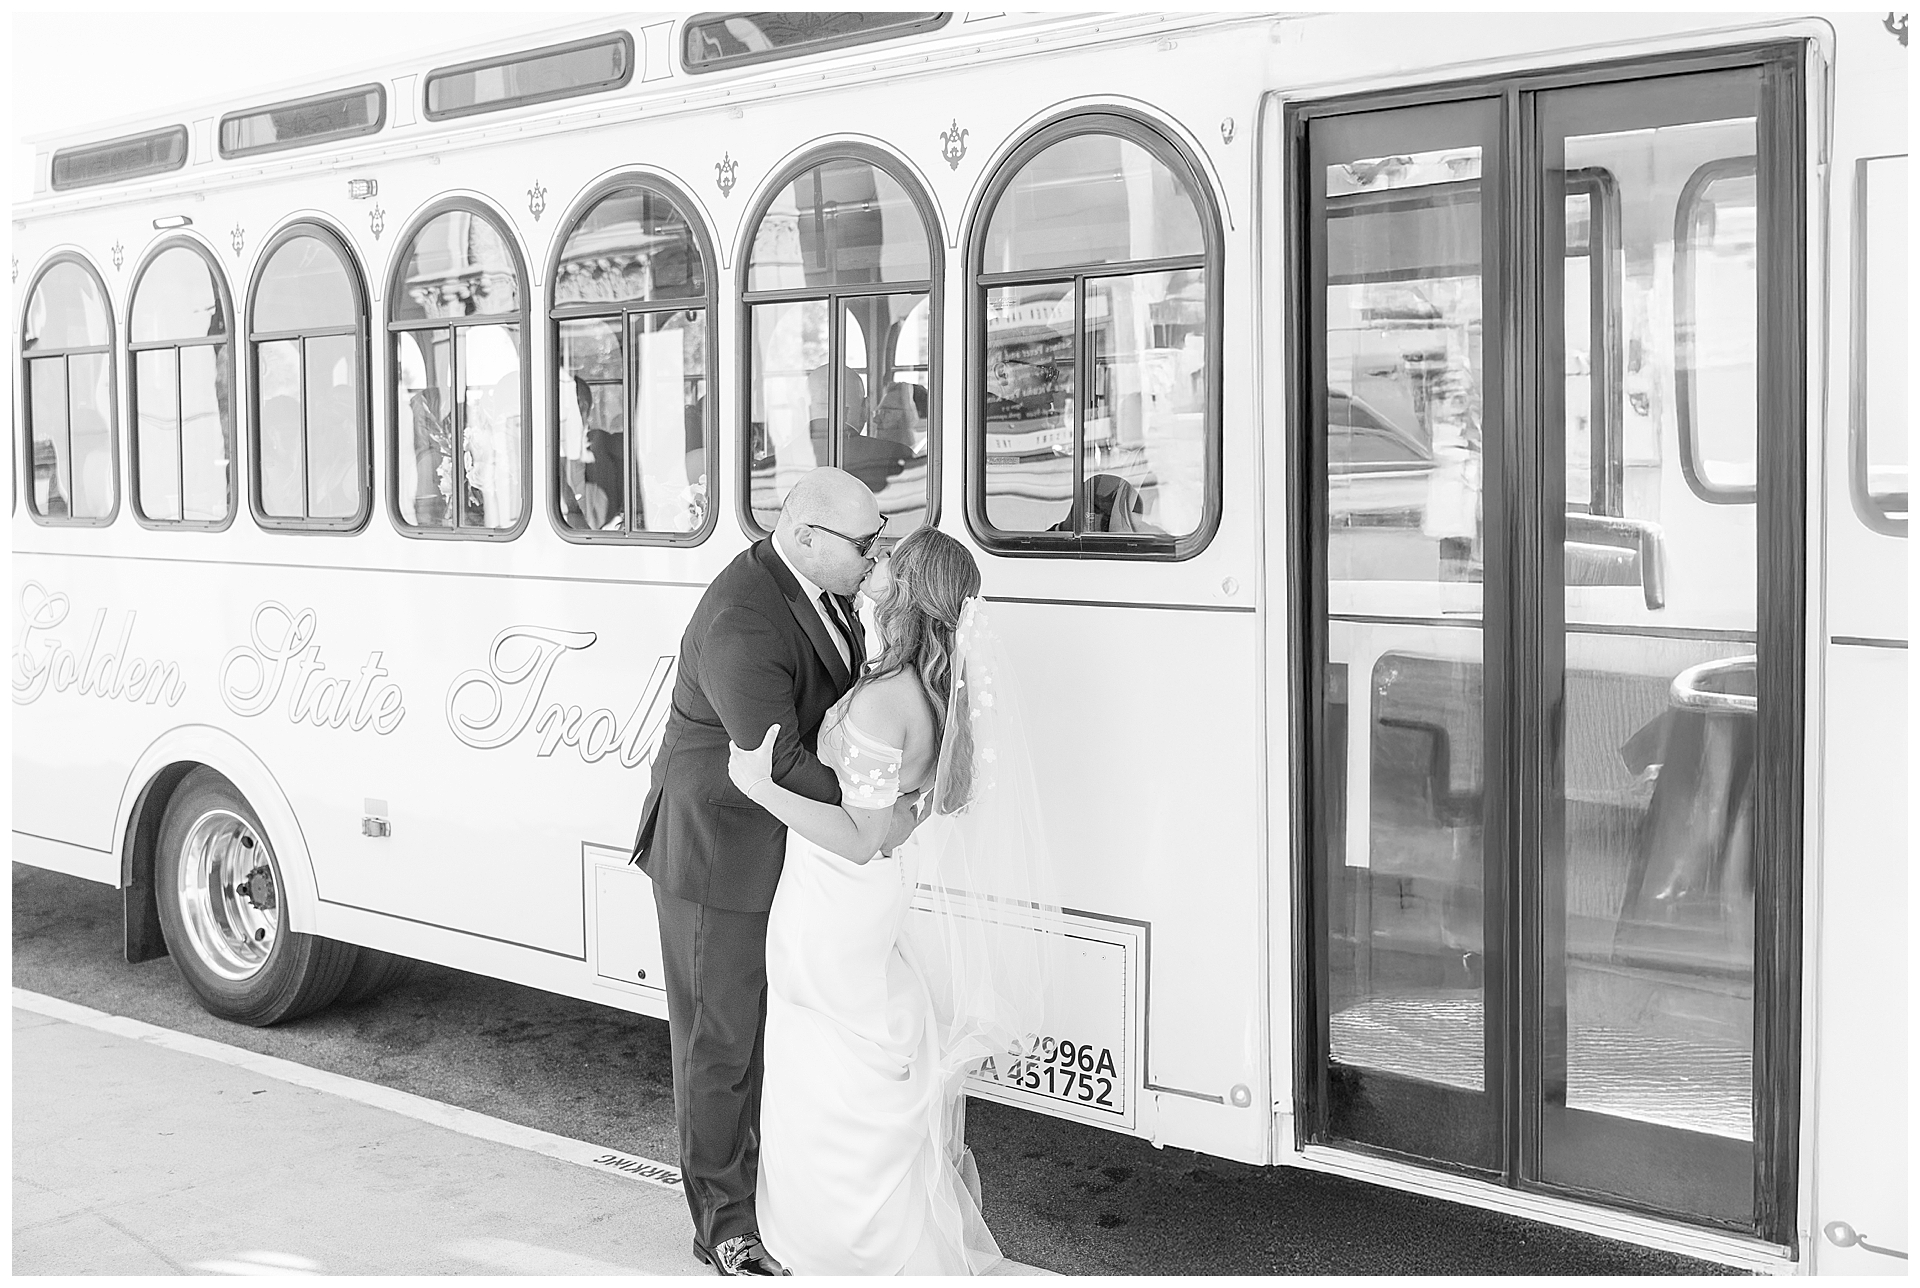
x: 140, y: 1151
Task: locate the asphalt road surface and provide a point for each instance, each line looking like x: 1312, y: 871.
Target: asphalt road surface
x: 1060, y: 1195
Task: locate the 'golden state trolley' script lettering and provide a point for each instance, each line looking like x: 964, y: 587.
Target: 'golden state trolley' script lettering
x: 490, y: 708
x: 283, y: 658
x: 91, y: 670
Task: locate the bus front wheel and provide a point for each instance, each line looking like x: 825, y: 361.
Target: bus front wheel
x: 224, y: 914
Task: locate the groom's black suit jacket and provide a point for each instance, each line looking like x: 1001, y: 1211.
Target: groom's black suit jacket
x: 755, y: 654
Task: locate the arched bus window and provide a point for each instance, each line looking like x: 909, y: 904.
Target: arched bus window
x: 307, y: 354
x: 1096, y: 343
x: 460, y: 455
x: 842, y: 303
x: 66, y: 341
x: 634, y: 369
x: 180, y: 344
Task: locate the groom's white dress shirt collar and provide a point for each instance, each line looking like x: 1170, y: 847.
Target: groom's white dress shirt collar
x: 813, y: 593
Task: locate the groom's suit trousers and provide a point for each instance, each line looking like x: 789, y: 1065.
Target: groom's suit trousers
x: 715, y: 962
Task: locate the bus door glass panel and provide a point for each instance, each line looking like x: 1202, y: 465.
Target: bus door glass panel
x: 1404, y: 305
x: 1647, y: 977
x: 1405, y: 393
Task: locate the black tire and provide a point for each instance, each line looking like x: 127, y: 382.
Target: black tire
x: 229, y: 938
x: 374, y: 973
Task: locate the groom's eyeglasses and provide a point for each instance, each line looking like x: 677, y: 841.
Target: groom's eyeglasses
x: 862, y: 546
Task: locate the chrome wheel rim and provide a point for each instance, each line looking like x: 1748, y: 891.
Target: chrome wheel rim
x: 228, y: 895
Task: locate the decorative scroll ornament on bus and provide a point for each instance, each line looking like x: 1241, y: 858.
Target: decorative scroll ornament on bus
x: 953, y: 144
x: 490, y: 708
x: 90, y: 671
x: 283, y: 657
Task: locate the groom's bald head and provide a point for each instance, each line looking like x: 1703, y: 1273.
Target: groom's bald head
x: 827, y: 498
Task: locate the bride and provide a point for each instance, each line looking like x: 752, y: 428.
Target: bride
x: 876, y: 1012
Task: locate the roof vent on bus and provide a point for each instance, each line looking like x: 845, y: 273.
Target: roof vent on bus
x: 303, y: 122
x: 129, y: 157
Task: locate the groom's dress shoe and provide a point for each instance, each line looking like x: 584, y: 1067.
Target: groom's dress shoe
x: 741, y: 1255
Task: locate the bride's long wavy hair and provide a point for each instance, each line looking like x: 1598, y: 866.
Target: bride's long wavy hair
x: 932, y: 577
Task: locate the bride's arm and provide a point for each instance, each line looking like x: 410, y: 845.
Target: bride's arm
x: 850, y: 831
x: 847, y: 830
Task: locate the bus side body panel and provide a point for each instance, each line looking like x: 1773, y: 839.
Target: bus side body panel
x: 1859, y: 1099
x: 1855, y: 1106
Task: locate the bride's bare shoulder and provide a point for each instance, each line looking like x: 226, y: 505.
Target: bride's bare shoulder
x: 894, y: 709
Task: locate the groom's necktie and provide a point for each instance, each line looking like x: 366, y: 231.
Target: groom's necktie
x: 837, y: 614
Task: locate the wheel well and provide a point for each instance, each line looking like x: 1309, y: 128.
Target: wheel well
x: 139, y: 914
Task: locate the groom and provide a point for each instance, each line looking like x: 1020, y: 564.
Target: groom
x: 775, y: 640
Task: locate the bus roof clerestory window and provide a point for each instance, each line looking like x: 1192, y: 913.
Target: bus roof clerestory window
x: 530, y: 76
x: 129, y: 157
x: 303, y: 122
x: 712, y: 42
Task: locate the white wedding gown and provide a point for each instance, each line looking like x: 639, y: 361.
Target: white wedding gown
x: 856, y: 1174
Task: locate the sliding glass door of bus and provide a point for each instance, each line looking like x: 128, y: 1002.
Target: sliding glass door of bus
x: 1555, y: 560
x: 1409, y: 290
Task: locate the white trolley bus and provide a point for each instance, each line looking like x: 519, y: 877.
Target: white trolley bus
x: 1444, y: 481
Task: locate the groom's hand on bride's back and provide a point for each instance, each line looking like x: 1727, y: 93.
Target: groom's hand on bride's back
x: 905, y: 818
